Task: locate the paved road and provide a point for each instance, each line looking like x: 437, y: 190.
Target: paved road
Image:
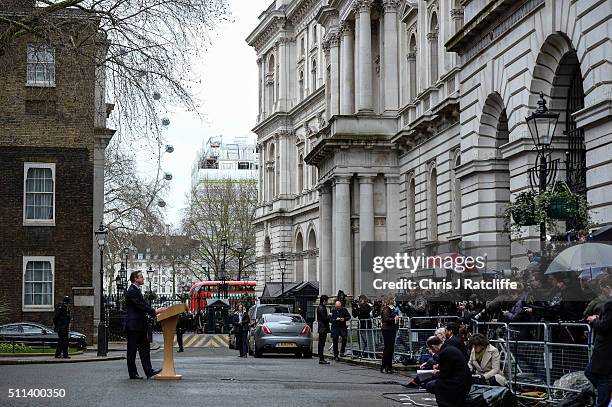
x: 211, y: 377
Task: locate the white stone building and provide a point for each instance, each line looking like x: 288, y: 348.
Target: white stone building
x: 217, y: 161
x: 405, y: 121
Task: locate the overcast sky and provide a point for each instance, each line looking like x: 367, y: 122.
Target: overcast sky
x: 229, y: 93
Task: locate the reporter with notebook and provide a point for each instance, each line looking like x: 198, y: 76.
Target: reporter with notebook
x: 452, y: 379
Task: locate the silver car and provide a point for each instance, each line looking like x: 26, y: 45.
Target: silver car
x: 281, y: 333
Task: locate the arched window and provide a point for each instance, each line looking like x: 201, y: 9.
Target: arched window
x: 313, y: 176
x: 432, y: 37
x: 412, y: 69
x: 411, y: 210
x: 301, y: 85
x: 270, y: 84
x: 432, y: 205
x: 313, y: 74
x: 312, y: 257
x: 328, y: 85
x: 299, y: 263
x: 455, y: 194
x: 271, y: 168
x: 300, y: 175
x: 302, y: 47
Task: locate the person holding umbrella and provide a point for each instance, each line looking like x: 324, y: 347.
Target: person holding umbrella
x: 599, y: 368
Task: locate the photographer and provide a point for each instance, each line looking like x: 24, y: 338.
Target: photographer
x: 362, y: 310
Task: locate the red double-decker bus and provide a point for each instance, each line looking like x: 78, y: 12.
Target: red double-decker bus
x: 234, y: 291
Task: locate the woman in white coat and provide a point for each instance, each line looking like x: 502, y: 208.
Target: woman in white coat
x: 485, y: 362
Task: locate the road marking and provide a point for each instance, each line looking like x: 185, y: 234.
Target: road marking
x: 204, y: 341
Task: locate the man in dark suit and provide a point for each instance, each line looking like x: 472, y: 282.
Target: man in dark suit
x: 454, y: 339
x: 599, y: 368
x: 135, y: 326
x: 323, y: 328
x: 61, y: 323
x: 339, y: 317
x: 452, y: 379
x: 241, y: 323
x: 182, y: 325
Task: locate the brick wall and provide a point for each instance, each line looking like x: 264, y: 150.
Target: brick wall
x: 55, y: 125
x: 69, y: 241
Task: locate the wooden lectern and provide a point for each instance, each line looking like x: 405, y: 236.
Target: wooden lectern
x: 168, y: 320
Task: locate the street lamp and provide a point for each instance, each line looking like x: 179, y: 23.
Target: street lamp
x: 118, y: 282
x: 150, y: 273
x: 282, y: 264
x: 101, y: 234
x: 126, y: 253
x: 238, y: 251
x: 223, y: 277
x: 542, y: 124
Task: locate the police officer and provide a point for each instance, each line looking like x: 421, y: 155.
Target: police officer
x: 323, y: 324
x: 61, y: 323
x: 181, y: 327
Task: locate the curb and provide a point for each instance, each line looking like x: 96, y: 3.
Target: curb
x: 29, y: 355
x: 154, y: 346
x: 62, y: 361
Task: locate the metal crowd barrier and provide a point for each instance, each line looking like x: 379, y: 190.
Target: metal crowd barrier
x: 533, y: 355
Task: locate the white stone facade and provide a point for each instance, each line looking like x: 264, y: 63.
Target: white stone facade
x: 414, y: 117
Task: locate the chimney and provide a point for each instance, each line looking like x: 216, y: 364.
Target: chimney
x: 17, y: 5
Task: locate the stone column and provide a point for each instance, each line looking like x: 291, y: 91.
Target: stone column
x: 261, y: 163
x: 260, y: 86
x: 325, y: 252
x: 432, y: 39
x: 390, y: 55
x: 366, y: 218
x: 392, y: 182
x: 365, y: 56
x: 412, y: 76
x: 366, y: 208
x: 283, y: 81
x: 347, y: 80
x: 342, y: 232
x: 334, y: 54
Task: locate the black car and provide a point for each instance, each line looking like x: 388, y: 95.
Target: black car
x: 38, y: 336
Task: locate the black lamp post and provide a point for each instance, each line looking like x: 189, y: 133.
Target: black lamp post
x: 238, y: 252
x: 126, y: 252
x: 240, y: 258
x: 542, y: 124
x: 223, y: 276
x: 282, y: 264
x: 101, y: 234
x: 118, y: 282
x: 150, y: 273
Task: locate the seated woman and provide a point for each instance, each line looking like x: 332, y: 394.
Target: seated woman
x: 485, y: 362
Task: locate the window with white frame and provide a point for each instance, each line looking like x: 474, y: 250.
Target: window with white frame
x: 38, y: 279
x: 39, y: 194
x: 41, y: 65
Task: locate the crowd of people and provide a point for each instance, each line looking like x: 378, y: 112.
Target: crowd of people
x: 458, y: 360
x: 455, y: 360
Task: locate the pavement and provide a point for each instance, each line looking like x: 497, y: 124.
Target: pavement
x: 211, y: 376
x: 371, y: 363
x: 116, y: 351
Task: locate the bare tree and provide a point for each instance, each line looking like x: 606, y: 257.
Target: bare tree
x: 149, y: 44
x: 131, y: 203
x: 222, y: 210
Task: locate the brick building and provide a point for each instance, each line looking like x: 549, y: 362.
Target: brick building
x: 52, y: 139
